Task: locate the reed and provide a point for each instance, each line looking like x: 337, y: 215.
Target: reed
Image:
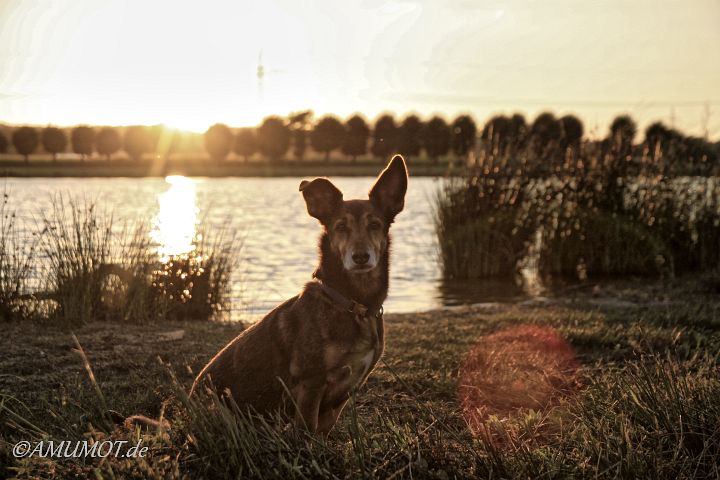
x: 82, y: 265
x: 580, y: 223
x: 16, y: 254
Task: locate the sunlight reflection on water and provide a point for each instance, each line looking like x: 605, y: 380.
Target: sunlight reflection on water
x: 175, y: 225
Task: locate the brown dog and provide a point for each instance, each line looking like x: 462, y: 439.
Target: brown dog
x: 321, y: 344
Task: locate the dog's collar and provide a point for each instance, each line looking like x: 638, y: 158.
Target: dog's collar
x: 347, y: 304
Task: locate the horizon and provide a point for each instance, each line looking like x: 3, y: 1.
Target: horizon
x: 184, y: 67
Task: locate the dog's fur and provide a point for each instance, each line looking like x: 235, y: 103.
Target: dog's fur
x: 307, y: 346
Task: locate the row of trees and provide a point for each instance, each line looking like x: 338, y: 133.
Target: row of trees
x: 353, y: 137
x: 546, y: 137
x: 84, y: 141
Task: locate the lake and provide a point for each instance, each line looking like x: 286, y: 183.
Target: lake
x: 279, y: 238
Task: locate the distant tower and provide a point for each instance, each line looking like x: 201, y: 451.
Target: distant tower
x: 260, y: 72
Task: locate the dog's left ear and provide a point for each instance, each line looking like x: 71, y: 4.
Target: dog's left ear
x: 321, y: 197
x: 388, y: 193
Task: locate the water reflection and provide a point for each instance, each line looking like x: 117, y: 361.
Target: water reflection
x: 176, y: 222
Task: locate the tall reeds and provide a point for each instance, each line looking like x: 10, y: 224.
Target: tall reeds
x: 86, y: 266
x: 593, y: 216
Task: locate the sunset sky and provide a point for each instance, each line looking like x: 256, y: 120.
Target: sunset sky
x: 190, y: 64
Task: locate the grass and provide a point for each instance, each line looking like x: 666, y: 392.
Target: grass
x: 16, y: 254
x: 78, y: 264
x: 580, y: 224
x: 560, y: 390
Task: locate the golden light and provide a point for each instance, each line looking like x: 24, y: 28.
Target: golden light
x: 513, y: 375
x: 176, y: 223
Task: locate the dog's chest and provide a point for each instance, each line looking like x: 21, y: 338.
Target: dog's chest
x: 359, y: 354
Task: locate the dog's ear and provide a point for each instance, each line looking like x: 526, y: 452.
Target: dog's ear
x: 388, y: 193
x: 321, y: 197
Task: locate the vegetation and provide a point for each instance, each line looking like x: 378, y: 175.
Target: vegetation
x: 593, y: 211
x: 245, y: 143
x: 549, y: 391
x: 4, y: 144
x: 273, y: 138
x: 81, y: 266
x: 384, y: 137
x: 25, y: 140
x: 137, y: 142
x: 218, y: 141
x: 108, y: 142
x: 547, y: 140
x: 356, y: 138
x: 83, y: 139
x: 410, y: 136
x: 437, y: 138
x: 463, y: 135
x: 53, y: 141
x: 328, y: 135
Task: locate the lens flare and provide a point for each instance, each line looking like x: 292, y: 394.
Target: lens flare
x: 515, y: 372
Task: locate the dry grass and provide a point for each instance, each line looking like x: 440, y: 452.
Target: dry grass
x: 567, y: 390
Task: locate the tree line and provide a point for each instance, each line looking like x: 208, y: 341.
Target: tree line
x: 545, y: 137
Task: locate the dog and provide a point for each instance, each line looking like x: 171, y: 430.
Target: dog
x: 308, y: 354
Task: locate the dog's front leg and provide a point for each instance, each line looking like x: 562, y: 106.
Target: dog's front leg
x: 308, y: 395
x: 329, y: 417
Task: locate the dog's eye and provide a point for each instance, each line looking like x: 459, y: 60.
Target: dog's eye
x: 374, y: 225
x: 341, y: 227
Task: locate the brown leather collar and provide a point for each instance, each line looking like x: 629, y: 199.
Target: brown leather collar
x: 346, y: 304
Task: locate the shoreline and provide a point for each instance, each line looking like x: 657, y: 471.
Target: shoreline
x: 206, y: 168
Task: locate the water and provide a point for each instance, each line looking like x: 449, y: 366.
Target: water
x: 279, y: 250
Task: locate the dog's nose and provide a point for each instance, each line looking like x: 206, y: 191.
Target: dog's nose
x: 361, y: 258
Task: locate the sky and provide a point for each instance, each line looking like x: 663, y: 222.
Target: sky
x: 189, y: 64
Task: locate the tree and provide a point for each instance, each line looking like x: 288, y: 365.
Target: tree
x: 545, y: 129
x: 245, y: 144
x: 82, y: 139
x: 437, y: 138
x: 657, y: 133
x: 463, y: 135
x: 108, y: 142
x: 496, y: 133
x: 410, y: 136
x: 4, y: 144
x: 136, y: 142
x: 357, y: 133
x: 328, y: 134
x: 622, y: 134
x: 384, y: 137
x: 53, y: 141
x: 25, y: 140
x: 518, y: 129
x: 218, y: 141
x: 273, y: 138
x: 571, y: 130
x: 299, y: 143
x: 298, y: 123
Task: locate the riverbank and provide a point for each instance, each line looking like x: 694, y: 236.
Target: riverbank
x: 160, y: 167
x: 573, y: 388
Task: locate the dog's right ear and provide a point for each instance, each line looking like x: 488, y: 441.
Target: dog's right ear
x: 321, y: 197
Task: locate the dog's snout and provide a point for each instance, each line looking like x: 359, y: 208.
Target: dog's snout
x: 361, y: 258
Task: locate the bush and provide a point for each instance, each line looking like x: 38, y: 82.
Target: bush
x: 592, y: 224
x: 89, y: 268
